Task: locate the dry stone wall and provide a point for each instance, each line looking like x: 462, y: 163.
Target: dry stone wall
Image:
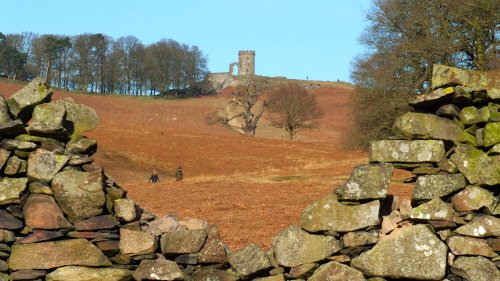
x: 64, y: 218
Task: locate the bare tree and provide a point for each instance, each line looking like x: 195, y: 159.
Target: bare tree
x: 293, y: 109
x: 247, y: 97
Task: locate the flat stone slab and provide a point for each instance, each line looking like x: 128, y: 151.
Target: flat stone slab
x: 443, y: 75
x: 61, y: 253
x: 431, y: 186
x: 47, y: 120
x: 413, y: 125
x: 435, y: 209
x: 413, y: 252
x: 183, y: 241
x: 134, y: 243
x: 464, y: 245
x: 294, y: 246
x: 8, y: 221
x: 473, y: 198
x: 159, y: 269
x: 213, y: 250
x: 404, y: 151
x: 327, y: 214
x: 81, y: 273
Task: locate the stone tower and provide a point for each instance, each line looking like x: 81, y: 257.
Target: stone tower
x: 246, y: 63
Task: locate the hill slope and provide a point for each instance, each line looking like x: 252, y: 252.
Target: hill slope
x: 250, y: 187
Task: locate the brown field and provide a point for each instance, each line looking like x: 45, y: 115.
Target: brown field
x: 252, y: 188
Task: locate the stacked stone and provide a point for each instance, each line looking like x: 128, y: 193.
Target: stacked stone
x: 63, y: 218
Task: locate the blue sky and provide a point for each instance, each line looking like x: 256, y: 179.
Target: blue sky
x: 297, y: 39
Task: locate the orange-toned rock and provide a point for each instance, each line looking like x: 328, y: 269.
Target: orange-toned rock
x: 42, y: 212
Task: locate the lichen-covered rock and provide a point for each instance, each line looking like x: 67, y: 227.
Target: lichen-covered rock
x: 213, y: 250
x: 367, y: 182
x: 18, y: 145
x: 406, y: 151
x: 448, y: 111
x: 443, y: 75
x: 8, y: 126
x: 42, y: 212
x: 475, y: 269
x: 334, y: 271
x: 183, y: 241
x: 249, y: 260
x: 13, y: 165
x: 4, y: 156
x: 327, y: 214
x: 82, y: 146
x: 81, y: 273
x: 21, y: 104
x: 61, y: 253
x: 79, y: 194
x: 125, y: 210
x: 11, y: 189
x: 413, y: 252
x: 491, y: 134
x: 475, y: 165
x: 293, y: 246
x: 472, y: 198
x: 43, y: 165
x: 432, y: 186
x: 471, y: 115
x: 47, y: 121
x: 435, y: 209
x: 481, y: 226
x: 134, y: 243
x: 158, y: 269
x: 413, y: 125
x: 436, y: 97
x: 81, y: 117
x: 463, y: 245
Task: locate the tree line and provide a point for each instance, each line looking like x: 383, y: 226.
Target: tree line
x: 98, y: 63
x: 403, y: 40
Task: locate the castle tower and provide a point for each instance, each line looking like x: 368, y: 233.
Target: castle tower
x: 246, y: 63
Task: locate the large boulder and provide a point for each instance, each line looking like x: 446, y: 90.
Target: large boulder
x: 413, y: 252
x: 477, y: 167
x: 327, y: 214
x: 81, y: 273
x: 249, y: 260
x: 367, y: 182
x: 61, y: 253
x: 21, y: 104
x: 405, y: 151
x: 43, y: 165
x: 42, y: 212
x: 47, y: 121
x: 294, y: 246
x: 79, y: 194
x: 79, y: 118
x: 431, y: 186
x: 475, y: 269
x: 11, y: 190
x: 334, y: 271
x: 413, y: 125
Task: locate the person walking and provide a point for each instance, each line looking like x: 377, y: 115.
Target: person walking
x: 154, y: 177
x: 178, y: 174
